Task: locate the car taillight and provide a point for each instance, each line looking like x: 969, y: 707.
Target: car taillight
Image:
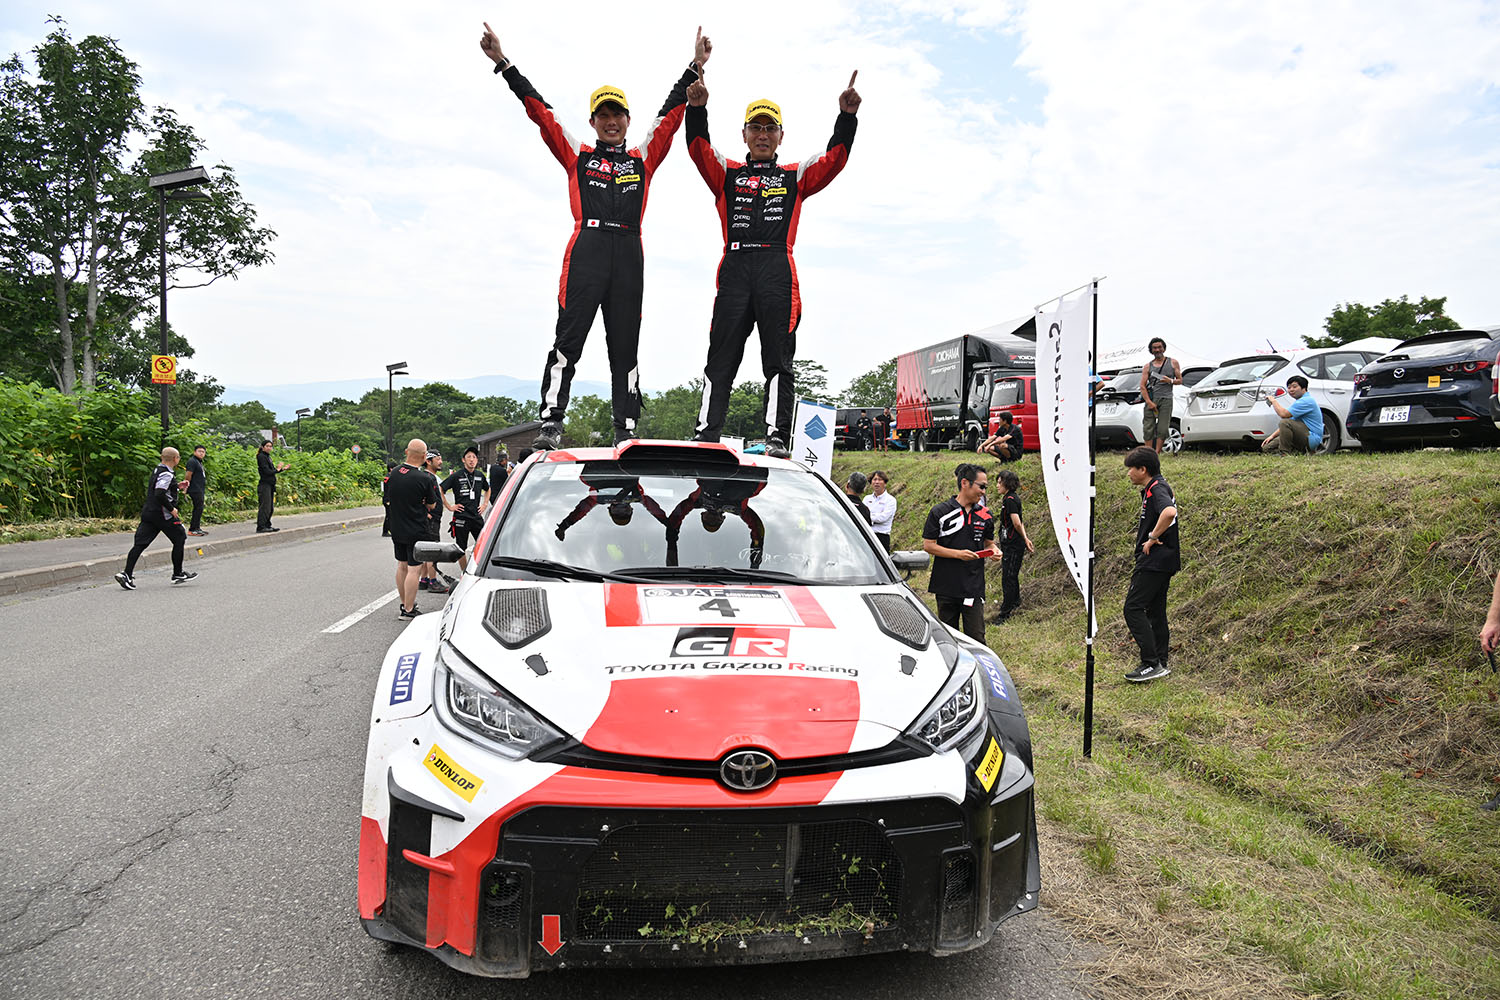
x: 1475, y: 366
x: 1361, y: 378
x: 1450, y: 368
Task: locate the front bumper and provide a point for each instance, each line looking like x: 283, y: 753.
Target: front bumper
x: 574, y: 886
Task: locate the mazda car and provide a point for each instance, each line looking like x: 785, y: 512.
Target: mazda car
x: 682, y: 710
x: 1431, y: 390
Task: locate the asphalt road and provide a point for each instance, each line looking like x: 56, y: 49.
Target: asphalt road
x: 180, y: 787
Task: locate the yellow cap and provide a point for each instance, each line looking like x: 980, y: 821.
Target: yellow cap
x: 765, y: 107
x: 608, y: 93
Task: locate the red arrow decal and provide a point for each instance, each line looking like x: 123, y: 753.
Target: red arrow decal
x: 551, y: 933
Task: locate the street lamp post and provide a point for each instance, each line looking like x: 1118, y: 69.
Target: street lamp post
x: 391, y: 371
x: 300, y: 414
x: 166, y: 185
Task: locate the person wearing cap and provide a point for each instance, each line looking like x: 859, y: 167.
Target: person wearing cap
x: 759, y: 201
x: 602, y: 267
x: 431, y: 580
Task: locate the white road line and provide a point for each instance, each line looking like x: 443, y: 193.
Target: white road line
x: 370, y: 608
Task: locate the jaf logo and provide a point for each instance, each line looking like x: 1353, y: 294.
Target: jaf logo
x: 406, y: 669
x: 708, y: 641
x: 816, y: 428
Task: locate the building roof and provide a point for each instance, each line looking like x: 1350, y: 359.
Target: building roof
x: 506, y: 432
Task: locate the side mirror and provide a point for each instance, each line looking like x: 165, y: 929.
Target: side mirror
x: 910, y: 562
x: 437, y: 552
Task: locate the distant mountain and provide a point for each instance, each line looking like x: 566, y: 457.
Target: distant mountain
x: 285, y: 400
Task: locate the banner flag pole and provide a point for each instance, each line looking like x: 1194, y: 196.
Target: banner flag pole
x: 1088, y: 620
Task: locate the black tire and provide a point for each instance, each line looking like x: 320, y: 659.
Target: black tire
x: 1173, y: 444
x: 971, y: 439
x: 1333, y: 437
x: 919, y: 441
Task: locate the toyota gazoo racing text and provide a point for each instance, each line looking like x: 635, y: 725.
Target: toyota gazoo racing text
x: 681, y: 710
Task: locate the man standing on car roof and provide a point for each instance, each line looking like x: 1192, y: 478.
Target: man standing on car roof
x: 1157, y: 557
x: 411, y: 492
x: 468, y: 485
x: 159, y: 517
x: 759, y: 202
x: 957, y: 530
x: 607, y: 188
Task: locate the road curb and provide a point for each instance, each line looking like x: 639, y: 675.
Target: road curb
x: 36, y: 578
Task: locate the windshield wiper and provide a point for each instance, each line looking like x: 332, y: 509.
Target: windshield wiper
x: 564, y: 570
x: 715, y: 573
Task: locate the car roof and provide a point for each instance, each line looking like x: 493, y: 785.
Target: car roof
x: 649, y: 449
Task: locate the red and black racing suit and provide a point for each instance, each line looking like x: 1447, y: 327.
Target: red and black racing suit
x: 607, y: 188
x: 759, y: 203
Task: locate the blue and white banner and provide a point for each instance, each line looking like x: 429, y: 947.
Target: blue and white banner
x: 812, y: 436
x: 1064, y: 337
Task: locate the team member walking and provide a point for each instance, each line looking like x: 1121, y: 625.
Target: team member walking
x: 498, y: 474
x: 267, y: 487
x: 469, y: 488
x: 882, y: 508
x: 957, y: 530
x: 607, y: 188
x: 411, y: 492
x: 1157, y: 557
x: 159, y: 517
x: 197, y: 488
x: 1014, y: 544
x: 759, y: 202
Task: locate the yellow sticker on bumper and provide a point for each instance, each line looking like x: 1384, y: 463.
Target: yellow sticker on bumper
x: 464, y: 783
x: 989, y: 767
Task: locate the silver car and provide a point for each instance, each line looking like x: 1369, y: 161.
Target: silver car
x: 1230, y: 405
x: 1121, y: 410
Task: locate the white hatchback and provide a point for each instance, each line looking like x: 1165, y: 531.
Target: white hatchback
x: 1120, y: 416
x: 1230, y: 405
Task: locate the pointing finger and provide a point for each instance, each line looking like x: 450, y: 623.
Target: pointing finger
x: 851, y: 78
x: 488, y: 28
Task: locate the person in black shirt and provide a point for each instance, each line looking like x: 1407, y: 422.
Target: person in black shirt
x: 411, y: 493
x: 957, y: 530
x: 431, y: 579
x: 1014, y: 544
x: 864, y: 434
x: 159, y: 517
x: 1157, y: 557
x: 854, y: 488
x: 267, y: 487
x: 1007, y: 442
x: 197, y: 488
x: 884, y: 422
x: 498, y: 474
x: 469, y: 487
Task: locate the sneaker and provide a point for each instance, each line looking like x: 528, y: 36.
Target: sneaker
x: 200, y: 534
x: 448, y: 581
x: 622, y: 435
x: 437, y: 587
x: 422, y: 583
x: 776, y: 447
x: 183, y: 577
x: 125, y: 580
x: 549, y: 438
x: 1147, y: 672
x: 407, y: 614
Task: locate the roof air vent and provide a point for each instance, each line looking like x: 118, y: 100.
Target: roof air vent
x: 900, y: 619
x: 518, y: 616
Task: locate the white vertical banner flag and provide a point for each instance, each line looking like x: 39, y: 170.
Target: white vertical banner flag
x: 812, y: 436
x: 1064, y: 338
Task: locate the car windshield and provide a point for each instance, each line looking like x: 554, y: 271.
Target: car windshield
x: 682, y: 520
x: 1439, y: 348
x: 1246, y: 370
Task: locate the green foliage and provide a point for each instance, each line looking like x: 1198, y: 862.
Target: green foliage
x: 242, y: 423
x: 590, y: 421
x: 673, y: 414
x: 324, y: 477
x: 876, y: 387
x: 810, y: 381
x: 1397, y: 318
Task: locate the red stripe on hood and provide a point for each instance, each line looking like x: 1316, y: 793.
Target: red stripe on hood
x: 703, y: 718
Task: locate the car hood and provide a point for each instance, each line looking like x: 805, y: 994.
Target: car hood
x: 690, y: 672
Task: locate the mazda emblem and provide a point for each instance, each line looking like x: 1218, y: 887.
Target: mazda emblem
x: 747, y: 770
x: 1400, y: 373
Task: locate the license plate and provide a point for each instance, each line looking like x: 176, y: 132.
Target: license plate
x: 1395, y: 414
x: 1108, y: 409
x: 1219, y: 403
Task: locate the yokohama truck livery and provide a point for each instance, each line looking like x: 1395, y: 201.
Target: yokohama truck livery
x: 943, y: 391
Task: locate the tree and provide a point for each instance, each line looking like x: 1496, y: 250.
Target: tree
x: 242, y: 423
x: 876, y: 387
x: 810, y: 381
x: 590, y: 421
x: 672, y: 415
x: 79, y: 231
x: 1399, y: 319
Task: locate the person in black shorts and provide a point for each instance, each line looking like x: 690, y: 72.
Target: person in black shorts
x: 197, y: 488
x: 1014, y: 544
x: 411, y: 493
x: 957, y: 530
x: 469, y: 488
x: 1006, y: 443
x: 159, y: 517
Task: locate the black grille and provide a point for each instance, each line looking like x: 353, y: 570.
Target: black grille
x: 517, y: 616
x: 702, y: 882
x: 958, y: 897
x: 899, y: 618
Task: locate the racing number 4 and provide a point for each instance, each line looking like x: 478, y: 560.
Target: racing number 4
x: 719, y: 604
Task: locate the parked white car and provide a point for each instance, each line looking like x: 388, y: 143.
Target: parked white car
x: 1230, y: 405
x: 1121, y: 409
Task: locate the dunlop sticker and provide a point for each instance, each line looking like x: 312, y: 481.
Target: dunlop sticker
x: 989, y: 767
x: 464, y: 783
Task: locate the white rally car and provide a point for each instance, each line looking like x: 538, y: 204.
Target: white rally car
x: 681, y: 710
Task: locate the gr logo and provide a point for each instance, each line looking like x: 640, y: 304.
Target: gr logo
x: 708, y: 641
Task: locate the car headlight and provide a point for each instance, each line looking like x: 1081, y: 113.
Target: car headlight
x: 478, y: 709
x: 958, y: 708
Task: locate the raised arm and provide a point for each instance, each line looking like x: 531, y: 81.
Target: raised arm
x: 669, y: 118
x: 557, y: 138
x: 814, y: 175
x: 709, y: 161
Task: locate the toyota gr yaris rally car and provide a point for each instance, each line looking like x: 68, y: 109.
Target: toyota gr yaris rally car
x: 681, y: 710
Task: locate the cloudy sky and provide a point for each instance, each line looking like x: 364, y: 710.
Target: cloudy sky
x: 1233, y: 172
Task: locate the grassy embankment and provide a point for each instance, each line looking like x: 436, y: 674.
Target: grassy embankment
x: 1294, y: 811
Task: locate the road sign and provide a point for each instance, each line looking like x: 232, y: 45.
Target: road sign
x: 354, y: 448
x: 163, y: 369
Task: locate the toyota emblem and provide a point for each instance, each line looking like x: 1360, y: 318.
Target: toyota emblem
x: 1400, y: 373
x: 747, y: 770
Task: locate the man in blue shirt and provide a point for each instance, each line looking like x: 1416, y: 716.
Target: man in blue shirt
x: 1301, y: 427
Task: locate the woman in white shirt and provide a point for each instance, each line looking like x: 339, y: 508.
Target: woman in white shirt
x: 882, y: 509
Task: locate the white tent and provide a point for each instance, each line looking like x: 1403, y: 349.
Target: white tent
x: 1134, y: 355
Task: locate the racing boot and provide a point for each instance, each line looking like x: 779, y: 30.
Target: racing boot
x: 549, y: 437
x: 623, y: 434
x: 776, y: 447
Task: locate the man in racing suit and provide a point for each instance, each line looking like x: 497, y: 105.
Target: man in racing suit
x: 759, y: 202
x: 159, y: 517
x: 607, y: 188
